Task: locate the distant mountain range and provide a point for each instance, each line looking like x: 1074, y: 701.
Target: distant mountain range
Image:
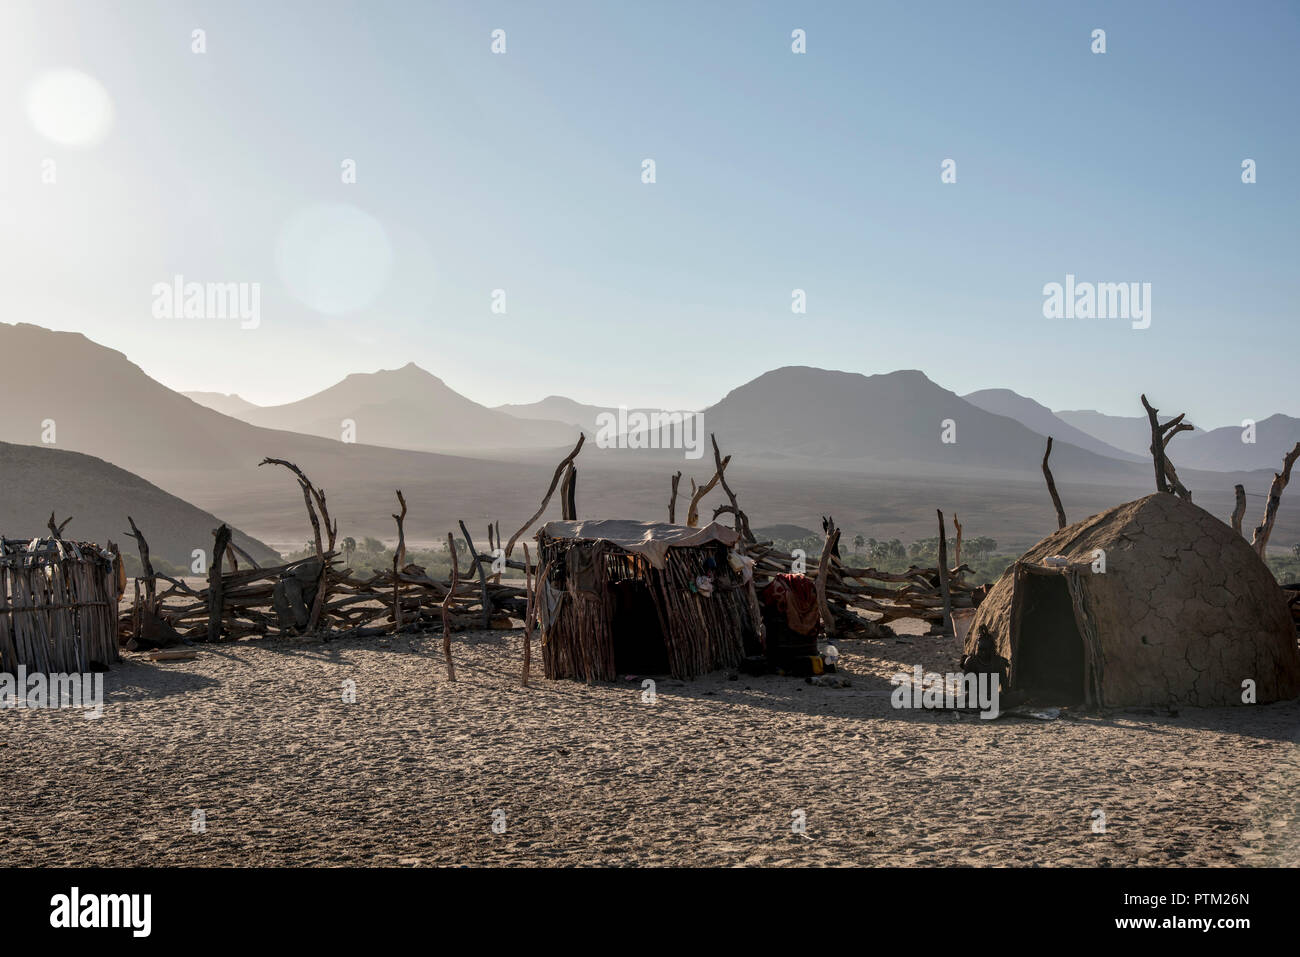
x: 1042, y: 420
x: 1216, y: 450
x: 68, y: 392
x: 225, y: 404
x: 408, y: 408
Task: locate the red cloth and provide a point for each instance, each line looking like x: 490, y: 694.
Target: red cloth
x: 796, y: 596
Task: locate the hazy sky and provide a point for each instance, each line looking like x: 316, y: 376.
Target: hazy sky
x: 775, y: 171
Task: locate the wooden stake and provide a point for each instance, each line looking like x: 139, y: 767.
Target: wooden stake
x: 399, y: 560
x: 528, y: 617
x: 555, y: 480
x: 1239, y: 512
x: 945, y: 624
x: 446, y: 607
x: 1280, y: 479
x: 823, y: 569
x: 1051, y: 488
x: 216, y: 584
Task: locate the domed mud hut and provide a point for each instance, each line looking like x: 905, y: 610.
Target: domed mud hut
x: 1155, y: 602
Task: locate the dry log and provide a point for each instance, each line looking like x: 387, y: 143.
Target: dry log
x: 569, y: 494
x: 399, y: 560
x: 823, y: 568
x: 482, y: 575
x: 446, y: 606
x: 146, y: 567
x: 528, y: 619
x: 316, y: 494
x: 56, y: 531
x: 741, y: 520
x: 555, y: 480
x: 1239, y: 512
x: 1051, y: 488
x: 1166, y: 477
x: 693, y: 510
x: 945, y: 626
x: 216, y: 583
x: 672, y: 499
x: 1264, y: 529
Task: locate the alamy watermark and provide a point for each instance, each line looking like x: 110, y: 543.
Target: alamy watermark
x: 1102, y: 300
x: 179, y: 299
x: 934, y: 691
x: 651, y: 430
x: 58, y: 690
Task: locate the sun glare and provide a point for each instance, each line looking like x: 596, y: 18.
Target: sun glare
x: 69, y: 107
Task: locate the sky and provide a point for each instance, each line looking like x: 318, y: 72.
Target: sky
x: 522, y: 171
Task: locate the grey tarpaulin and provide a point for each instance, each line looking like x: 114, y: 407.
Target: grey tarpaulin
x: 648, y: 539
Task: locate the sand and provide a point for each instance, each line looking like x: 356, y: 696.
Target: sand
x: 256, y: 735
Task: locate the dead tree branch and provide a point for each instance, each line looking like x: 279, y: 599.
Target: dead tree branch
x: 1280, y: 479
x: 1051, y: 489
x: 555, y: 480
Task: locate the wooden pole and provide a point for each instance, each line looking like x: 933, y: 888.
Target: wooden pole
x: 446, y: 607
x: 945, y: 624
x: 399, y: 560
x: 528, y: 617
x: 1239, y: 512
x: 555, y: 480
x: 569, y: 494
x: 1280, y: 479
x: 482, y: 577
x: 1051, y: 488
x: 823, y: 570
x: 216, y: 585
x: 146, y: 566
x: 672, y: 499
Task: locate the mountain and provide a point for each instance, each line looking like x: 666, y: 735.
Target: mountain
x: 225, y: 404
x: 409, y: 408
x: 1039, y: 418
x: 64, y: 391
x: 577, y: 414
x: 1223, y: 449
x: 1131, y: 433
x: 806, y: 443
x: 559, y: 409
x: 99, y: 497
x: 1218, y: 450
x: 888, y: 423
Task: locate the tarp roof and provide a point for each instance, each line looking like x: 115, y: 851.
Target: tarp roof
x: 649, y: 539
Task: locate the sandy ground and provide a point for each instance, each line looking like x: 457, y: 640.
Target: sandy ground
x: 714, y: 772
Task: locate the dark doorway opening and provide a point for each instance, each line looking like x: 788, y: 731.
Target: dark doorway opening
x: 639, y: 647
x: 1049, y: 666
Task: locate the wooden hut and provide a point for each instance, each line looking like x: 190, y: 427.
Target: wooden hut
x: 58, y: 606
x: 622, y: 597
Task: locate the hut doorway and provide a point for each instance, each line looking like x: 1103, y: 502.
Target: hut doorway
x: 639, y: 647
x: 1050, y: 664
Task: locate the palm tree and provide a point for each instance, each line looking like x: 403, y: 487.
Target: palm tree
x: 349, y: 546
x: 858, y: 542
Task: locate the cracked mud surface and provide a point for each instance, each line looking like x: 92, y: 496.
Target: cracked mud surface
x: 1184, y: 612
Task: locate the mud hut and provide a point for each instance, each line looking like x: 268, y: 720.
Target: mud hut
x: 1155, y: 602
x: 622, y: 597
